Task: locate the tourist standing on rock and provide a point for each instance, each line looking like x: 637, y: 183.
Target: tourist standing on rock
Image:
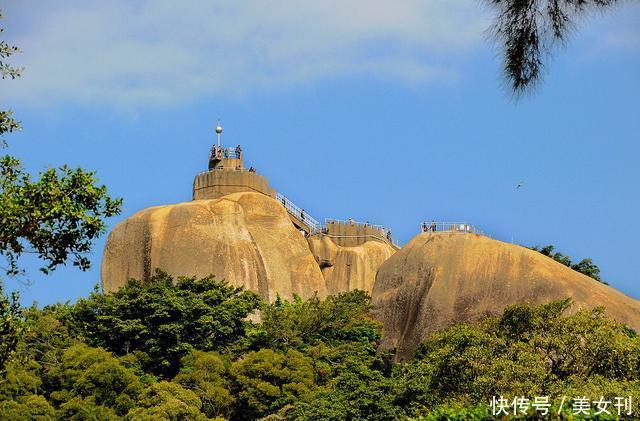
x: 433, y: 226
x: 424, y: 226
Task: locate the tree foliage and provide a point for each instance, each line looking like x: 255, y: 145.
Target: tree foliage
x: 341, y: 319
x: 10, y: 326
x: 6, y: 51
x: 184, y: 349
x: 267, y: 380
x: 527, y: 31
x: 162, y: 323
x: 584, y: 266
x: 206, y: 374
x: 167, y: 401
x: 7, y: 123
x: 529, y: 351
x: 56, y: 217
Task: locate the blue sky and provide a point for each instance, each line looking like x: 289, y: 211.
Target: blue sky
x: 381, y: 111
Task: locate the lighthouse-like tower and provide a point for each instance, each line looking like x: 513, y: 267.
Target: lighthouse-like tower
x: 223, y: 157
x: 226, y: 173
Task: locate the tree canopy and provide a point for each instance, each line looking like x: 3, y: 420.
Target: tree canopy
x: 185, y: 349
x: 584, y: 266
x: 161, y: 323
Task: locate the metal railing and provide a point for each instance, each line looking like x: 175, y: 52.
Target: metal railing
x: 223, y: 152
x: 386, y: 232
x: 455, y: 227
x: 328, y: 221
x: 225, y: 169
x: 369, y: 236
x: 299, y: 213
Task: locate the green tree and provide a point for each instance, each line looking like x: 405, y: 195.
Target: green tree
x: 266, y: 380
x: 94, y: 374
x: 80, y: 409
x: 204, y: 374
x: 528, y: 30
x: 56, y: 217
x: 587, y: 267
x: 341, y: 339
x: 356, y: 392
x: 7, y: 123
x: 584, y: 266
x: 10, y: 326
x: 339, y: 319
x: 163, y: 322
x: 45, y: 337
x: 167, y: 401
x: 529, y: 351
x: 32, y: 408
x: 21, y: 379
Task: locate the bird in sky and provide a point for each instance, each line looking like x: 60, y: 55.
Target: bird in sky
x: 520, y: 184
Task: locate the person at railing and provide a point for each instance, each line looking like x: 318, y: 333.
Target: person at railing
x: 284, y: 202
x: 389, y: 236
x: 302, y: 215
x: 425, y: 228
x: 252, y: 170
x: 238, y: 152
x: 433, y: 226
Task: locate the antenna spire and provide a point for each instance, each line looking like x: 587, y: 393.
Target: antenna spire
x: 218, y: 132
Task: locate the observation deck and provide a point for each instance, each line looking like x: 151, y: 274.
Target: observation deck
x: 227, y: 174
x: 450, y: 227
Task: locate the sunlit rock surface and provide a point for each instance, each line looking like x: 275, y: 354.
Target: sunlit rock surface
x: 245, y: 238
x: 440, y: 279
x: 349, y: 268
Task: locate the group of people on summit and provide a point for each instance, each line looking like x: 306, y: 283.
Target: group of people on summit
x: 220, y: 152
x: 429, y: 228
x: 433, y: 227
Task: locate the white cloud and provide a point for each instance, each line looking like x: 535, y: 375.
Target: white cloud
x: 136, y: 53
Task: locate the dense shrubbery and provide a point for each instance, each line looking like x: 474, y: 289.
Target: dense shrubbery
x: 155, y: 350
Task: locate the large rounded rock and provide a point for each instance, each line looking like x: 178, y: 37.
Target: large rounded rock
x: 349, y: 268
x: 244, y: 238
x: 439, y: 279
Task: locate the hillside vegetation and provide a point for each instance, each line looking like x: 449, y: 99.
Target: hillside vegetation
x: 159, y: 350
x: 584, y: 266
